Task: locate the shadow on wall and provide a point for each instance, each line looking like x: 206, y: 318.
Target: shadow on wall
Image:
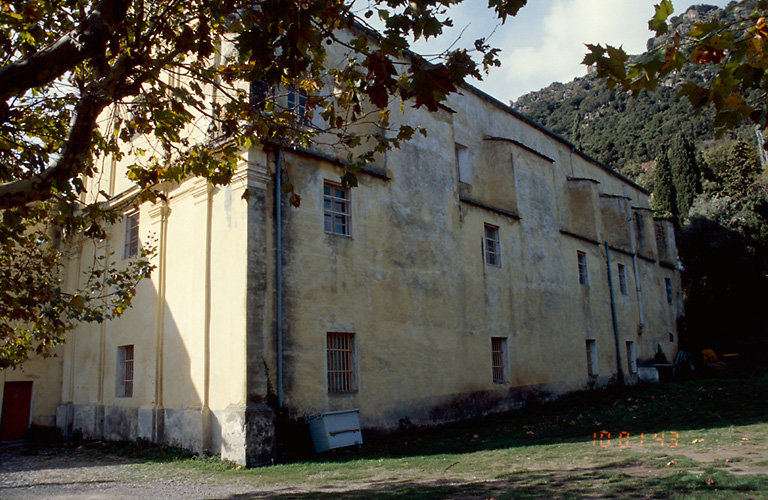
x: 127, y: 409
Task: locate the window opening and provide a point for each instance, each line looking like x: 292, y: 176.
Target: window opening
x: 340, y: 352
x: 492, y: 246
x: 337, y: 210
x: 124, y: 371
x: 583, y: 271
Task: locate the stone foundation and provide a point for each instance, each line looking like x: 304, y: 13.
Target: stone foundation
x: 239, y: 433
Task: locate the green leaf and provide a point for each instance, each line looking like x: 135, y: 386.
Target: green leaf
x: 658, y: 22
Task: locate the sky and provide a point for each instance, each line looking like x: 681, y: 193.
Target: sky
x: 544, y: 43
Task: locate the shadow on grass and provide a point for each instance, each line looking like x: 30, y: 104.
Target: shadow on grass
x: 596, y: 482
x: 676, y: 406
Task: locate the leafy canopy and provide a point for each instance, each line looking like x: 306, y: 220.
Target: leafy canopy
x: 80, y: 80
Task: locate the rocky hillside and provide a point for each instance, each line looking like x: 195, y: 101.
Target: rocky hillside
x: 612, y: 126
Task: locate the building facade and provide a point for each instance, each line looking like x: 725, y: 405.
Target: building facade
x: 470, y: 269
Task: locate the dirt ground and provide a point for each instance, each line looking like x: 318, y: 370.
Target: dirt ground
x: 73, y: 473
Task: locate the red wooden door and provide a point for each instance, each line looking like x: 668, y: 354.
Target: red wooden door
x: 14, y: 421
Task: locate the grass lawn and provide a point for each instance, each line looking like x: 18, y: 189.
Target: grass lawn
x: 692, y: 439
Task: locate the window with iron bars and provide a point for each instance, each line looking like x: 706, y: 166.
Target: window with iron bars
x: 341, y: 362
x: 124, y: 371
x: 499, y: 360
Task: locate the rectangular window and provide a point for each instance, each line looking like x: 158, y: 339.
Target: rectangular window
x: 462, y: 164
x: 499, y: 357
x: 623, y: 280
x: 124, y: 387
x: 592, y: 357
x: 258, y: 93
x: 131, y: 236
x: 668, y: 287
x: 632, y: 357
x: 337, y: 209
x: 639, y: 228
x: 492, y: 246
x: 661, y: 238
x: 583, y: 271
x: 297, y: 103
x: 341, y: 362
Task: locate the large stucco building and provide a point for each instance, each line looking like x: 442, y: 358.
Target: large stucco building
x: 468, y: 270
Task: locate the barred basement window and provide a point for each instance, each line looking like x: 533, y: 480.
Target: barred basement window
x: 499, y: 358
x: 131, y: 236
x: 583, y: 271
x: 124, y: 387
x: 492, y: 246
x: 337, y: 209
x: 668, y: 287
x: 623, y: 280
x: 341, y: 362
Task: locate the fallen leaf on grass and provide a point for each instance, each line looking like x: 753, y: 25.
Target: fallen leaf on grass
x: 697, y: 441
x: 745, y: 439
x: 709, y: 481
x: 672, y: 462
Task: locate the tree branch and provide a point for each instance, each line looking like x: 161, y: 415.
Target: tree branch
x: 87, y: 40
x: 76, y: 152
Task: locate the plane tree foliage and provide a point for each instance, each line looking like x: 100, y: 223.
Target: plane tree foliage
x: 66, y: 64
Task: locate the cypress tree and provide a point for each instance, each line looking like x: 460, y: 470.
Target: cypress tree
x: 742, y: 168
x: 664, y: 194
x: 686, y: 174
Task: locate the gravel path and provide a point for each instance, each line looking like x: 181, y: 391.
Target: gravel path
x: 83, y: 474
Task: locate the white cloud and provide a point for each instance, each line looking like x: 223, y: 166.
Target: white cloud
x: 566, y: 27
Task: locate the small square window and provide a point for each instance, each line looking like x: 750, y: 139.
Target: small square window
x: 340, y: 351
x: 131, y: 236
x: 623, y: 280
x: 492, y: 246
x: 337, y: 209
x: 668, y: 287
x: 124, y: 387
x: 583, y: 271
x: 592, y: 357
x: 499, y: 360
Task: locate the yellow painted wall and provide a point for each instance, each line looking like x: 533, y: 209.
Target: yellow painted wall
x: 411, y: 282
